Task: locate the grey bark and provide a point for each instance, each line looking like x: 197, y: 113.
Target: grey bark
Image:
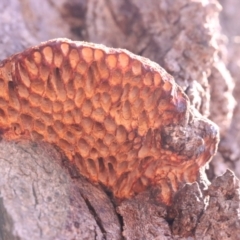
x: 229, y: 154
x: 40, y: 200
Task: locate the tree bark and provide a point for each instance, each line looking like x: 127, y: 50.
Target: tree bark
x: 42, y: 196
x: 41, y: 200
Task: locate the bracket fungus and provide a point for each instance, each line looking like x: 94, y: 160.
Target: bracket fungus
x: 119, y: 117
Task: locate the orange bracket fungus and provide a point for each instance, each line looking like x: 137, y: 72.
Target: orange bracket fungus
x: 119, y: 117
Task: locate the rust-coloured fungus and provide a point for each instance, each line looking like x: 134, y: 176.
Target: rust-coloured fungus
x: 119, y: 117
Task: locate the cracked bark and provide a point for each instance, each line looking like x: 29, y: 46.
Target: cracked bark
x: 39, y: 199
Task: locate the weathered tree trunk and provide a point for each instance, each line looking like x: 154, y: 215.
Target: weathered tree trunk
x: 42, y: 196
x: 228, y: 154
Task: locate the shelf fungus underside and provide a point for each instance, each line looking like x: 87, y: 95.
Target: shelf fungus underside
x: 119, y: 117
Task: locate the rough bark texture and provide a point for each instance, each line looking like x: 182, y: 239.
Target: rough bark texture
x: 183, y: 37
x: 229, y: 154
x: 39, y: 199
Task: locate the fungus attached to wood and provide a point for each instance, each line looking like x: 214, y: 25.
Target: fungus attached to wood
x: 119, y: 117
